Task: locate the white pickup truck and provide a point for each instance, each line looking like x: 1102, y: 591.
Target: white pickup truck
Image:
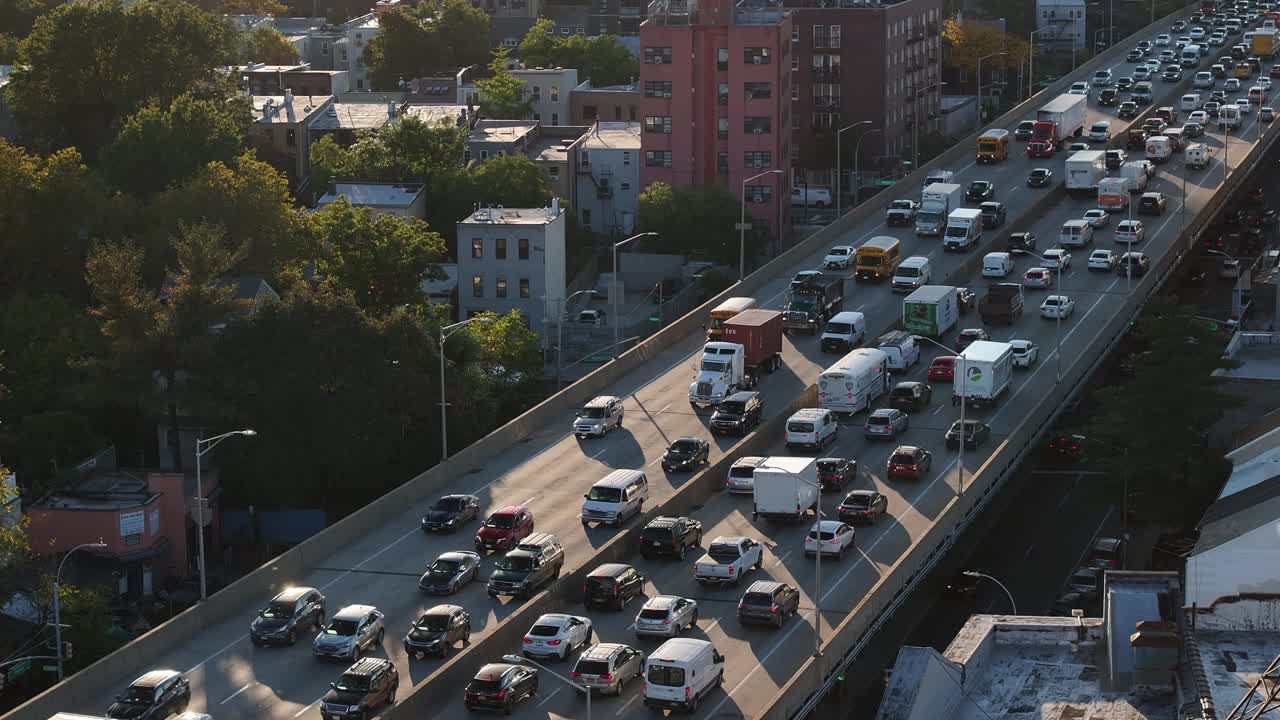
x: 728, y: 559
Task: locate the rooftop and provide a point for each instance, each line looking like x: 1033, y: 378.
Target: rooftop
x: 356, y: 116
x: 553, y: 143
x: 435, y: 114
x: 513, y: 216
x: 300, y: 25
x: 613, y: 136
x: 112, y: 490
x: 1258, y: 355
x: 265, y: 68
x: 586, y: 86
x: 287, y: 109
x: 397, y: 195
x: 502, y: 131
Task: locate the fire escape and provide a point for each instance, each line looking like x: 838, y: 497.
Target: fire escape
x: 601, y: 176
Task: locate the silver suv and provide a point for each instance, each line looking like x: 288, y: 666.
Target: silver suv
x: 666, y: 616
x: 606, y: 668
x: 354, y: 629
x: 598, y: 417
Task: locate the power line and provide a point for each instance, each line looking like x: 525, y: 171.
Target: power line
x: 946, y: 670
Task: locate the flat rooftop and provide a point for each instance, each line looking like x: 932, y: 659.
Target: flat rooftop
x: 1258, y: 354
x: 302, y: 107
x: 613, y: 136
x: 107, y: 491
x: 435, y: 114
x: 393, y: 195
x: 501, y: 131
x: 549, y: 149
x: 1232, y: 660
x: 508, y: 216
x: 353, y: 116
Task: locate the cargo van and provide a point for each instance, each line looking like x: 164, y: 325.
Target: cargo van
x: 819, y: 197
x: 844, y: 332
x: 616, y: 497
x: 997, y: 265
x: 1100, y: 131
x: 1191, y: 56
x: 1191, y: 102
x: 1075, y: 233
x: 912, y: 273
x: 854, y: 381
x: 938, y: 176
x: 681, y: 672
x: 901, y: 348
x: 1159, y: 148
x: 1228, y: 117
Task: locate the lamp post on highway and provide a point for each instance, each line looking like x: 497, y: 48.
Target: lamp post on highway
x: 743, y: 226
x: 208, y: 444
x: 613, y: 284
x: 857, y: 177
x: 57, y: 599
x: 817, y: 557
x: 839, y: 158
x: 984, y: 576
x: 958, y: 368
x: 446, y: 332
x: 1057, y: 279
x: 979, y: 91
x: 521, y: 660
x: 1031, y: 61
x: 564, y: 305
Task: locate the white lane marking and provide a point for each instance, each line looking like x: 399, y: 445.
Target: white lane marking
x: 1063, y: 501
x: 626, y: 705
x: 1089, y: 545
x: 530, y: 500
x: 781, y: 558
x: 313, y: 704
x: 597, y: 455
x: 664, y: 409
x: 1027, y: 554
x: 547, y: 699
x: 935, y: 412
x: 242, y: 689
x: 711, y: 625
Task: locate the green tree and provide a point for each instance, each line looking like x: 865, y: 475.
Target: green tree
x: 244, y: 7
x: 967, y: 42
x: 168, y: 333
x: 511, y: 181
x: 17, y: 17
x: 509, y: 355
x: 382, y: 261
x: 88, y: 65
x: 697, y: 221
x: 90, y: 625
x: 16, y: 557
x: 604, y: 60
x: 419, y: 41
x: 157, y: 146
x: 8, y: 49
x: 502, y: 93
x: 265, y: 44
x: 406, y: 151
x: 465, y: 28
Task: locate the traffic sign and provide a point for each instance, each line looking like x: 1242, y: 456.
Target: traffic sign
x: 742, y: 226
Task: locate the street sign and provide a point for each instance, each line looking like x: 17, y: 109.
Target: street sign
x: 200, y: 511
x: 742, y: 226
x: 17, y: 670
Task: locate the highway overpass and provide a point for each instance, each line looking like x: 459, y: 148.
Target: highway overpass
x: 375, y: 556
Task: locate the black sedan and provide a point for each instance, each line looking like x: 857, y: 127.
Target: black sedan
x: 975, y: 433
x: 1172, y: 74
x: 1124, y: 84
x: 450, y: 513
x: 450, y: 572
x: 910, y: 395
x: 1024, y: 130
x: 1040, y: 177
x: 863, y: 507
x: 980, y: 191
x: 686, y: 453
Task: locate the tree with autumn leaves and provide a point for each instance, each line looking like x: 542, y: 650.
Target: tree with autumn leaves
x: 966, y: 42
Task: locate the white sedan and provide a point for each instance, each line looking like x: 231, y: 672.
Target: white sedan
x: 1057, y: 307
x: 1079, y: 88
x: 1097, y: 218
x: 1200, y: 117
x: 838, y: 256
x: 1037, y: 277
x: 556, y: 635
x: 831, y: 536
x: 1025, y: 353
x: 1103, y: 260
x: 1057, y: 258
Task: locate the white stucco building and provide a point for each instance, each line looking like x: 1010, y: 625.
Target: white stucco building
x: 608, y: 178
x: 512, y: 259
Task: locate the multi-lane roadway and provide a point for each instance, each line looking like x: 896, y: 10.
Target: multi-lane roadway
x: 550, y: 471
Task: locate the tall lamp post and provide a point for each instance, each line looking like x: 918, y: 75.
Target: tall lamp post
x: 742, y: 223
x: 984, y: 576
x: 521, y: 660
x: 1031, y: 61
x: 564, y: 305
x: 613, y: 284
x: 839, y: 158
x: 57, y: 597
x: 1057, y: 281
x: 857, y: 176
x: 959, y: 369
x: 447, y: 332
x: 984, y: 57
x: 817, y: 557
x: 208, y: 444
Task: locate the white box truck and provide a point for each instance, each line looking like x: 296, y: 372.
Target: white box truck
x: 964, y: 229
x: 936, y: 202
x: 854, y: 381
x: 1159, y: 148
x: 1113, y: 194
x: 931, y: 311
x: 1085, y: 169
x: 1136, y: 172
x: 785, y: 487
x: 1197, y: 156
x: 983, y: 373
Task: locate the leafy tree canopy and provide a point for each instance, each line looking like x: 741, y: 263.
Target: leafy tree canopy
x: 966, y: 42
x: 265, y: 44
x: 603, y: 60
x: 502, y: 93
x: 511, y: 181
x: 421, y: 41
x: 17, y: 17
x: 697, y: 221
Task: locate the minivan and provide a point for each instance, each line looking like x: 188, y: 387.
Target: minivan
x: 682, y: 672
x: 912, y: 273
x: 1075, y: 233
x: 844, y: 332
x: 616, y: 497
x: 1100, y: 131
x: 997, y: 265
x: 1191, y: 102
x: 811, y: 428
x: 612, y: 584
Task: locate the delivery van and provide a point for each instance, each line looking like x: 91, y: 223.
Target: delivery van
x: 681, y: 672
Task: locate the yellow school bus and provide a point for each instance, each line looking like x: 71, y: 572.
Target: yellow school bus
x: 724, y: 312
x: 993, y: 146
x: 877, y: 258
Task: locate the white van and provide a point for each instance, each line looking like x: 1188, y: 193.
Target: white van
x: 616, y: 497
x: 1191, y: 56
x: 938, y: 176
x: 854, y: 381
x: 1228, y: 117
x: 844, y: 332
x: 1100, y: 131
x: 682, y: 672
x: 819, y: 197
x: 1075, y: 233
x: 811, y: 428
x: 1191, y: 102
x: 997, y: 265
x: 1203, y: 81
x: 901, y: 348
x: 912, y: 274
x: 1159, y: 148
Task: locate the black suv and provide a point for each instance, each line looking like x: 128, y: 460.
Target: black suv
x: 1108, y: 96
x: 612, y: 584
x: 366, y: 685
x: 437, y: 630
x: 975, y: 433
x: 670, y: 536
x: 980, y: 191
x: 501, y: 686
x: 280, y: 620
x: 154, y: 696
x: 739, y: 413
x: 535, y: 562
x: 910, y: 395
x: 768, y: 601
x: 1021, y: 242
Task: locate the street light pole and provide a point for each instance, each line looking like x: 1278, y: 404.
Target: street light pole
x: 564, y: 304
x: 857, y: 177
x: 521, y: 660
x: 613, y: 284
x: 57, y: 596
x: 1031, y: 61
x: 960, y: 369
x: 984, y: 576
x: 839, y: 158
x: 446, y: 332
x: 742, y: 223
x: 209, y: 444
x: 979, y: 91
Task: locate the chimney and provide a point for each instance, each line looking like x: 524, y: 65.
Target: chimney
x: 266, y: 109
x: 555, y: 208
x: 391, y: 109
x: 288, y: 97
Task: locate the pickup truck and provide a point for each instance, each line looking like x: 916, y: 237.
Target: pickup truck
x: 728, y: 559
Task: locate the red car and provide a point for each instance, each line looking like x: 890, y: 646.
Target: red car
x: 909, y: 463
x: 943, y: 369
x: 504, y: 529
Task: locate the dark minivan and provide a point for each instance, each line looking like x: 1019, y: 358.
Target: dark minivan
x: 738, y: 414
x: 612, y: 585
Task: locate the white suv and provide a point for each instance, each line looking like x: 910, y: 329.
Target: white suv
x: 811, y: 428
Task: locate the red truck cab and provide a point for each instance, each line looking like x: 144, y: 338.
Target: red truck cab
x: 1045, y: 139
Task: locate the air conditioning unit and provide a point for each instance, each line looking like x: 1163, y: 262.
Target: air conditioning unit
x: 666, y: 95
x: 756, y: 59
x: 666, y: 163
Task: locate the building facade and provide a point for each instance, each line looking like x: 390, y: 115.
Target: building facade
x: 612, y: 103
x: 855, y: 62
x: 549, y: 88
x: 512, y: 259
x: 1060, y: 25
x: 716, y: 104
x: 281, y: 131
x: 608, y: 178
x: 263, y: 79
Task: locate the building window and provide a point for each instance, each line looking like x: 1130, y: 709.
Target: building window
x: 756, y: 56
x: 555, y: 94
x: 658, y: 124
x: 586, y: 216
x: 795, y: 122
x: 795, y: 91
x: 834, y: 37
x: 291, y: 137
x: 522, y: 246
x: 657, y: 89
x: 758, y: 159
x: 477, y: 248
x: 555, y: 118
x: 722, y: 93
x: 722, y: 59
x: 477, y: 286
x: 657, y: 56
x: 625, y: 186
x: 632, y: 113
x: 524, y: 288
x: 537, y: 93
x: 484, y: 155
x: 722, y: 130
x: 757, y: 125
x: 500, y: 249
x: 324, y: 48
x: 795, y: 64
x: 554, y: 173
x: 500, y: 289
x: 795, y: 154
x: 537, y: 116
x: 759, y: 193
x: 795, y: 34
x: 626, y: 157
x: 722, y: 163
x: 823, y: 121
x: 657, y: 158
x: 757, y: 90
